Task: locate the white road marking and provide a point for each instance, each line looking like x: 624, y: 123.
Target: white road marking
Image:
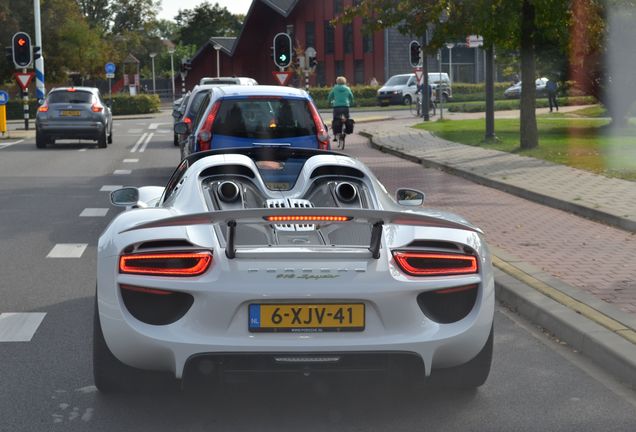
x: 110, y: 188
x: 135, y: 131
x: 143, y: 147
x: 9, y: 144
x: 94, y: 212
x: 83, y: 149
x: 131, y: 160
x: 154, y: 126
x: 138, y: 143
x: 122, y: 172
x: 67, y: 250
x: 19, y: 327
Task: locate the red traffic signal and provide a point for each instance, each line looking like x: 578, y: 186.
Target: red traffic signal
x: 22, y: 54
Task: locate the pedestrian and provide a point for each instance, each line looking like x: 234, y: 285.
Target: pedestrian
x: 551, y: 88
x: 341, y: 98
x: 373, y: 82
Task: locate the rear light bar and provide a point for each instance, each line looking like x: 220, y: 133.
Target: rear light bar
x: 204, y: 137
x: 166, y: 263
x: 321, y: 132
x: 435, y: 263
x: 307, y: 218
x: 71, y: 90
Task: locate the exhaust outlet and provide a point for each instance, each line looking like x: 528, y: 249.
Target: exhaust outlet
x: 228, y: 191
x: 346, y: 192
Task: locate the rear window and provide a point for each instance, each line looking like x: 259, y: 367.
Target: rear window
x: 64, y: 96
x: 220, y: 81
x: 196, y: 102
x: 264, y: 118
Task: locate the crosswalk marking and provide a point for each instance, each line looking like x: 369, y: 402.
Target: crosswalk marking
x: 110, y: 188
x: 139, y: 141
x: 19, y: 327
x: 94, y: 212
x: 145, y: 144
x: 122, y: 172
x: 131, y: 160
x: 67, y: 250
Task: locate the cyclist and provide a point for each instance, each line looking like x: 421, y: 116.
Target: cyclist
x: 341, y: 98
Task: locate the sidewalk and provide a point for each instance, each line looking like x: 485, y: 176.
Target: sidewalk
x: 572, y: 276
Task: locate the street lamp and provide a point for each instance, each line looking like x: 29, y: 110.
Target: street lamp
x: 152, y: 56
x: 171, y: 52
x: 217, y: 48
x: 450, y: 47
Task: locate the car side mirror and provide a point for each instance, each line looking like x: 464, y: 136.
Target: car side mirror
x: 409, y: 197
x: 176, y: 113
x: 125, y: 197
x: 181, y: 128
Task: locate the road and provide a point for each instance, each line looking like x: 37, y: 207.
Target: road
x: 53, y: 206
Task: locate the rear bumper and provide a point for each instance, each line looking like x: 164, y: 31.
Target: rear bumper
x: 84, y: 130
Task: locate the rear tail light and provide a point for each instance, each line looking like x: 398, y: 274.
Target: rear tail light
x: 43, y: 108
x: 321, y: 131
x: 307, y: 218
x: 166, y: 263
x: 204, y: 138
x: 97, y: 107
x: 435, y: 263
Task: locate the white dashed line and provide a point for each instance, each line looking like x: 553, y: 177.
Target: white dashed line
x: 122, y: 172
x: 67, y: 250
x: 110, y: 188
x: 138, y: 143
x: 19, y: 327
x: 143, y: 147
x: 94, y: 212
x: 82, y: 149
x: 131, y: 160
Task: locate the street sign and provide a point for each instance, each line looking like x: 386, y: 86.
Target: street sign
x: 110, y: 75
x: 282, y: 77
x: 419, y: 74
x: 4, y: 97
x: 474, y: 41
x: 24, y: 79
x: 110, y: 68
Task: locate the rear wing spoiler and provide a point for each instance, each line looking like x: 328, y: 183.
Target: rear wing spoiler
x: 312, y: 215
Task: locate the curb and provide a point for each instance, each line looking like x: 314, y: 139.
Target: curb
x: 577, y: 209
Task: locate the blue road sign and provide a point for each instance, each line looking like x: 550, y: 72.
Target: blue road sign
x: 4, y: 97
x: 110, y: 68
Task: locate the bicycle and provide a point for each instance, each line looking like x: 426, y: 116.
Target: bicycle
x: 341, y: 136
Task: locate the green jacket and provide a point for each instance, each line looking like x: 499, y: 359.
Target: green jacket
x: 340, y: 96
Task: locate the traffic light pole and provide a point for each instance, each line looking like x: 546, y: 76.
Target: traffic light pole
x: 40, y: 89
x: 25, y: 104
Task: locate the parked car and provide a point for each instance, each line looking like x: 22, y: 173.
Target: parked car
x: 197, y: 98
x: 267, y: 260
x: 73, y: 113
x: 402, y: 89
x: 177, y: 114
x: 228, y: 80
x: 514, y: 91
x: 245, y: 116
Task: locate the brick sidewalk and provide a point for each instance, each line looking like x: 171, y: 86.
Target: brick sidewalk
x: 590, y: 256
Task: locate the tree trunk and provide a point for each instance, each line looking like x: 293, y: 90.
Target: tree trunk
x: 529, y: 137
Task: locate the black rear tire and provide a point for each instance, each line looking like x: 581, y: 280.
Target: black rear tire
x: 470, y: 375
x: 113, y: 376
x: 110, y: 136
x: 407, y: 100
x: 102, y: 141
x: 41, y: 140
x: 175, y: 140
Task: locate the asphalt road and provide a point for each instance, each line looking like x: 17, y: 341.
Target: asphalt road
x: 53, y: 206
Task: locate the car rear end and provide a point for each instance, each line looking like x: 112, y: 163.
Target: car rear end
x: 72, y: 113
x: 246, y: 119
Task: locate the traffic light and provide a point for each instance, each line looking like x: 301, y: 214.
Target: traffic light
x: 415, y: 55
x: 282, y: 50
x: 313, y: 62
x: 22, y: 54
x: 186, y: 65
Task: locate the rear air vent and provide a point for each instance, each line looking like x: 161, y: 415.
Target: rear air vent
x: 433, y: 244
x: 228, y: 170
x: 334, y: 170
x: 165, y: 244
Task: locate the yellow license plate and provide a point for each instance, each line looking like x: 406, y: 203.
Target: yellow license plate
x: 70, y: 113
x: 300, y: 318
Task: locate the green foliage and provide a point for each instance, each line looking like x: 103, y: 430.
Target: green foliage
x: 362, y: 95
x: 140, y: 104
x: 15, y: 109
x: 513, y: 104
x: 204, y: 21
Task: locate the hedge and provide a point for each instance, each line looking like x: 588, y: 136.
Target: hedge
x: 512, y: 104
x: 141, y: 104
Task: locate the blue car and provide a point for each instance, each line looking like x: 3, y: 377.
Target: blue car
x: 245, y: 116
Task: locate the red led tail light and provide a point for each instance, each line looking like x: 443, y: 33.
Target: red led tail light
x: 166, y: 263
x: 307, y: 219
x: 435, y: 263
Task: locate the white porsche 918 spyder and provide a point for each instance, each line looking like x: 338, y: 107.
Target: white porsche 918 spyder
x: 288, y: 260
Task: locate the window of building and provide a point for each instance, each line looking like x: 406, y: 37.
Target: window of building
x: 321, y: 80
x: 348, y: 38
x: 358, y: 72
x: 339, y: 68
x: 367, y: 43
x: 329, y: 38
x: 310, y: 34
x: 338, y: 6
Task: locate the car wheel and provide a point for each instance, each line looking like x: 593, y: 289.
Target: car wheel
x: 407, y: 100
x: 469, y: 375
x: 40, y: 140
x: 112, y: 376
x: 175, y: 140
x: 102, y: 141
x: 110, y: 136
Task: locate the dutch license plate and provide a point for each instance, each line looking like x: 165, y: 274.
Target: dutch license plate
x: 300, y: 318
x: 70, y: 113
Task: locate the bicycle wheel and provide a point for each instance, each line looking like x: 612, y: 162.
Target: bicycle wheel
x: 341, y: 141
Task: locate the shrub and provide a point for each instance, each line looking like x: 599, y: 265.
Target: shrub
x: 141, y: 104
x: 512, y: 104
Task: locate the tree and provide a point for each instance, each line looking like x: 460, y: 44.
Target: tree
x: 133, y: 15
x: 199, y: 24
x: 97, y: 13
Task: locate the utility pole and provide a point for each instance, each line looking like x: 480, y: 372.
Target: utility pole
x: 40, y: 89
